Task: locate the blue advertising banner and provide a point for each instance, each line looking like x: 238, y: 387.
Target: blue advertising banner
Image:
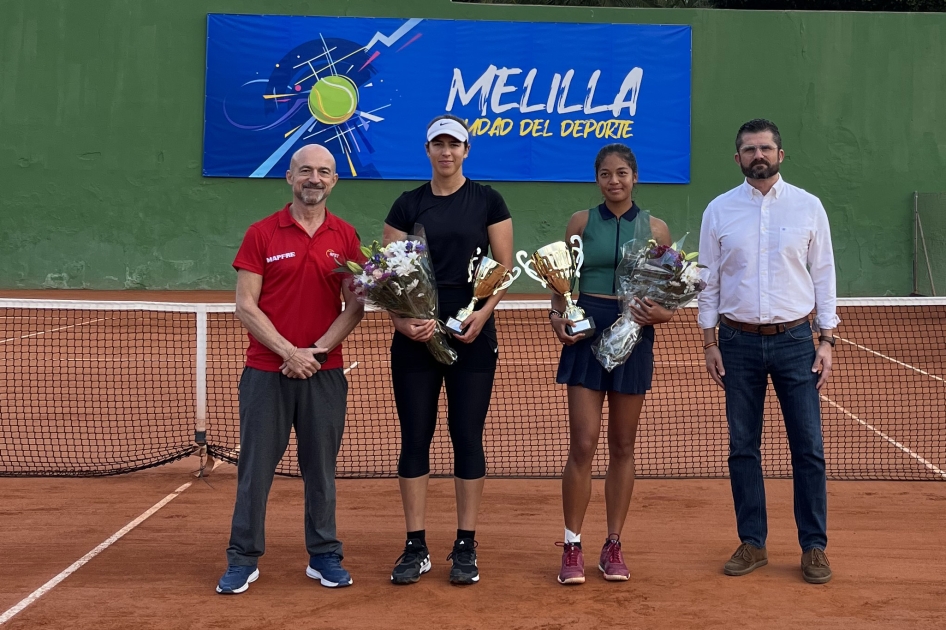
x: 540, y: 98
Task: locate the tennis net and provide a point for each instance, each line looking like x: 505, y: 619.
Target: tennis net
x: 98, y: 388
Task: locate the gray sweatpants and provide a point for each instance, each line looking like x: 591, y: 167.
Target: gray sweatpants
x: 270, y: 405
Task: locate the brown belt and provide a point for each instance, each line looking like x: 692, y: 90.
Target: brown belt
x: 763, y: 329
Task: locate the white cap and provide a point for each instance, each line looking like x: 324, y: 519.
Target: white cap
x: 447, y: 126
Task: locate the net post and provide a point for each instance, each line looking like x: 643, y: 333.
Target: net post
x: 200, y: 422
x: 926, y: 253
x: 916, y: 218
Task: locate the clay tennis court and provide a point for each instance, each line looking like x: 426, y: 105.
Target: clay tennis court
x: 883, y: 419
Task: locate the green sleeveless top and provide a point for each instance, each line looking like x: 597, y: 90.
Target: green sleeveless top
x: 602, y: 240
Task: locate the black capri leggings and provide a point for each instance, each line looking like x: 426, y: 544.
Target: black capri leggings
x: 417, y: 378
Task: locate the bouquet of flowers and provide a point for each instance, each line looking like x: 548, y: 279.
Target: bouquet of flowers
x: 399, y: 278
x: 664, y: 274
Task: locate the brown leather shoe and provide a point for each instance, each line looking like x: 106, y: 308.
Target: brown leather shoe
x: 815, y: 567
x: 747, y: 559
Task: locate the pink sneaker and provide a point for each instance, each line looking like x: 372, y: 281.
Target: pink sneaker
x: 573, y: 565
x: 612, y: 562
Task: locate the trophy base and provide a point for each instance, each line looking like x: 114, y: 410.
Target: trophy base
x: 584, y: 327
x: 455, y: 326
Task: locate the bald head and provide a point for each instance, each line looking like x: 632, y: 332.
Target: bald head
x: 312, y: 154
x: 312, y: 174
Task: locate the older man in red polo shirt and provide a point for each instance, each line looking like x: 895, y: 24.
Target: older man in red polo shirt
x: 290, y: 301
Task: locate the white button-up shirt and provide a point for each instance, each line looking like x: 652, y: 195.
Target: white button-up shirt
x: 768, y: 258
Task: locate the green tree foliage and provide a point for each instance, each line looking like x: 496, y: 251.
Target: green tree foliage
x: 652, y: 4
x: 759, y: 5
x: 835, y: 5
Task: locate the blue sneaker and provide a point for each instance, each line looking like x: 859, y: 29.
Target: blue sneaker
x: 328, y: 569
x: 237, y: 579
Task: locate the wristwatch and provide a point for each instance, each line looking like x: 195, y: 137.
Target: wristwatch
x: 826, y: 339
x: 554, y: 312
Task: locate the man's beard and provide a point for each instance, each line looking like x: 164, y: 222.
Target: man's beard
x: 753, y: 172
x: 312, y: 196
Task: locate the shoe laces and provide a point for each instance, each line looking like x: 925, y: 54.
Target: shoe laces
x: 332, y: 561
x: 571, y: 555
x: 463, y: 553
x: 412, y: 553
x: 234, y: 570
x: 818, y: 558
x: 743, y: 552
x: 613, y: 549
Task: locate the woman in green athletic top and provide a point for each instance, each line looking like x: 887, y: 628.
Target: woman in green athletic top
x: 604, y: 230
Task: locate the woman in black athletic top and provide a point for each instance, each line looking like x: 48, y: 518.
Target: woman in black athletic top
x: 458, y: 216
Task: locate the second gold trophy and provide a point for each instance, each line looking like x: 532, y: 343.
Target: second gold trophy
x: 557, y: 266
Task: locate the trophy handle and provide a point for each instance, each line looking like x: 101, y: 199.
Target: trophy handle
x: 527, y: 266
x: 578, y: 251
x: 469, y: 270
x: 508, y: 279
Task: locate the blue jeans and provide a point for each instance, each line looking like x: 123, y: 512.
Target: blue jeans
x: 749, y: 359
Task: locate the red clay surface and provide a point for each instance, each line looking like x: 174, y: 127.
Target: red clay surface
x: 77, y: 383
x: 886, y: 548
x: 886, y: 537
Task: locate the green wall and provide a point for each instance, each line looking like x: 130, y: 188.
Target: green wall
x: 101, y: 112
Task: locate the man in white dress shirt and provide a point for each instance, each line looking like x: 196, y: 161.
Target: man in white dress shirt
x: 767, y: 248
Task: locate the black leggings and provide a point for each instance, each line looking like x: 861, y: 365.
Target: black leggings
x: 418, y: 379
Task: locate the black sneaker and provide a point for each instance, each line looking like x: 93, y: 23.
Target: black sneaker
x: 413, y: 562
x: 464, y: 569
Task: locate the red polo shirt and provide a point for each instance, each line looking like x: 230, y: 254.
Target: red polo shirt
x: 301, y: 294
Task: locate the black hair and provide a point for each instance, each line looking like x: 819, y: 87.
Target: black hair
x: 621, y: 150
x: 758, y: 125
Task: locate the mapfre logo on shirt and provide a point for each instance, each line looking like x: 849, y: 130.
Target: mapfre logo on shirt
x: 280, y: 257
x: 331, y: 253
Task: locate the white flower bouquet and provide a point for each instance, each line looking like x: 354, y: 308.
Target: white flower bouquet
x: 664, y: 274
x: 399, y: 278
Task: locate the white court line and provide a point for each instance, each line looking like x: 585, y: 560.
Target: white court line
x: 75, y: 566
x: 43, y: 332
x: 884, y: 356
x: 928, y: 464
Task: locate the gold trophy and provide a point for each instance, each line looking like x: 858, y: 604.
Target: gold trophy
x: 556, y: 266
x: 488, y: 278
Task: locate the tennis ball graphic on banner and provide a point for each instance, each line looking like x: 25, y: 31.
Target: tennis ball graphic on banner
x: 333, y: 99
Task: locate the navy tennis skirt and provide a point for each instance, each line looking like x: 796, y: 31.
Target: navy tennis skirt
x: 578, y: 365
